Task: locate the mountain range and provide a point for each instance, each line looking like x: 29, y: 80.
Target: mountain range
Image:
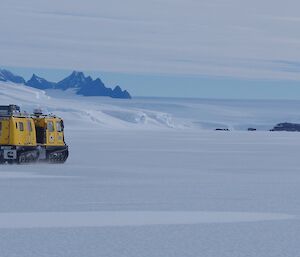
x: 76, y: 81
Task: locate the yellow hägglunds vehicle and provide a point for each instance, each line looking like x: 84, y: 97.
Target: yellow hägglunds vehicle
x: 28, y: 138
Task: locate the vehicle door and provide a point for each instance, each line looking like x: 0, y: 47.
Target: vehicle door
x: 50, y: 133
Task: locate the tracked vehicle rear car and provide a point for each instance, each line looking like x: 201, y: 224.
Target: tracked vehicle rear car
x: 28, y: 138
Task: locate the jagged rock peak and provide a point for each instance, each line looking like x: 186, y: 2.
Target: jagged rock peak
x: 6, y: 75
x: 76, y: 81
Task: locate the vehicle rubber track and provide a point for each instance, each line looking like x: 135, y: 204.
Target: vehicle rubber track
x: 26, y: 157
x: 58, y: 156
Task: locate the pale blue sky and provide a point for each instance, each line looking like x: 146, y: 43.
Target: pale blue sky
x: 207, y: 48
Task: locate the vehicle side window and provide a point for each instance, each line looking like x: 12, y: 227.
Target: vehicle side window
x: 59, y: 127
x: 21, y: 126
x: 50, y: 126
x: 29, y: 126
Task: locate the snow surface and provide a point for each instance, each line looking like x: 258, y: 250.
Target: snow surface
x: 160, y: 185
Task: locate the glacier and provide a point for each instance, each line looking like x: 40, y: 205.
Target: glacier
x: 151, y: 177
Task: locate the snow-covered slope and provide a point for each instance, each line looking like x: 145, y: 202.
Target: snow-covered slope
x: 152, y: 113
x: 80, y: 111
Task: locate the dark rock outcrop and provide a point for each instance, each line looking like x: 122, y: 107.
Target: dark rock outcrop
x: 8, y: 76
x: 40, y: 83
x: 119, y: 93
x: 86, y: 86
x: 81, y: 84
x: 75, y: 80
x: 286, y: 126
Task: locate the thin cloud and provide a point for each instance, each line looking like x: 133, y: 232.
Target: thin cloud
x: 166, y: 37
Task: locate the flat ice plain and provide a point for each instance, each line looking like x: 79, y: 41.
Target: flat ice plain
x: 150, y: 177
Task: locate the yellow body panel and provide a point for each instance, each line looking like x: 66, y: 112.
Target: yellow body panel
x: 18, y: 131
x: 4, y: 131
x: 21, y: 131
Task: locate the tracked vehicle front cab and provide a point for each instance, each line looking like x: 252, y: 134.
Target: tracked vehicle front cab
x: 49, y: 130
x: 50, y: 137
